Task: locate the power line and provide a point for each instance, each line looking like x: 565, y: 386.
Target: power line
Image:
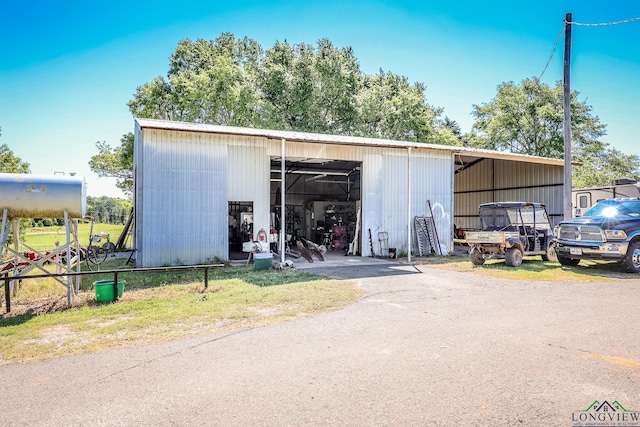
x: 604, y: 24
x: 552, y: 53
x: 601, y: 24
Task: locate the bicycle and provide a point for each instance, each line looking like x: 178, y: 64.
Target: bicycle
x: 96, y: 253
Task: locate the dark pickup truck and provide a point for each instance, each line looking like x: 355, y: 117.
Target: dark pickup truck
x: 609, y: 231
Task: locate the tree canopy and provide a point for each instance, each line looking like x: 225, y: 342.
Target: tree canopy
x: 600, y: 168
x: 302, y: 87
x: 9, y: 162
x: 528, y: 119
x: 107, y: 210
x: 115, y: 162
x: 229, y: 81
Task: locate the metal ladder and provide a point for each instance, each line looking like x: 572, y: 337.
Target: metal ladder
x: 425, y: 236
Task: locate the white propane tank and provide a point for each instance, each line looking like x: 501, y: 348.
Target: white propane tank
x: 42, y: 196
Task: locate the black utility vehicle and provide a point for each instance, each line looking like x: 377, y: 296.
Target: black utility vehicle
x: 511, y: 230
x: 610, y: 230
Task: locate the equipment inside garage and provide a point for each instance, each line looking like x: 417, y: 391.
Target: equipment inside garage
x: 322, y: 201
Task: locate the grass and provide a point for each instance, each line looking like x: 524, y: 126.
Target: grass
x: 159, y: 307
x: 45, y: 238
x: 532, y: 269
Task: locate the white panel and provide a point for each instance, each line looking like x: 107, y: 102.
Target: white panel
x: 316, y: 150
x: 372, y: 175
x: 385, y: 190
x: 432, y: 180
x: 181, y: 199
x: 395, y: 201
x: 248, y: 181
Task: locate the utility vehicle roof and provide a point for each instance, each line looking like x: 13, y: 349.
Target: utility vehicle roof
x: 510, y: 205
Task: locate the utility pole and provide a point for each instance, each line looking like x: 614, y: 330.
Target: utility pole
x: 567, y: 117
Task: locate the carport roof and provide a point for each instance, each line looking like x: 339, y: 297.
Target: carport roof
x: 463, y: 155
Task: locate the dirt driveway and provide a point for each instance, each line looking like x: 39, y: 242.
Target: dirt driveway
x: 424, y: 347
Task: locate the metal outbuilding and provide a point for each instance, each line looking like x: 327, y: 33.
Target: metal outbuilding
x: 197, y: 184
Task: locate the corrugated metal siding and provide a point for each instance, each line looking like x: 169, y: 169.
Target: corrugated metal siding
x: 505, y: 180
x: 385, y: 191
x: 372, y: 177
x: 432, y: 179
x: 181, y: 198
x: 248, y: 180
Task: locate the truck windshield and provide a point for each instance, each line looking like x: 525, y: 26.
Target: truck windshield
x: 612, y: 208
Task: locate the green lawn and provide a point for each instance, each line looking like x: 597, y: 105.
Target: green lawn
x: 159, y: 307
x: 532, y: 269
x: 45, y: 238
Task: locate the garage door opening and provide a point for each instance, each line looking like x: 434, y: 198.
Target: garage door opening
x: 322, y: 201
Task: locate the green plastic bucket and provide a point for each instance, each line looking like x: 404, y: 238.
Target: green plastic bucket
x: 104, y: 289
x: 263, y: 261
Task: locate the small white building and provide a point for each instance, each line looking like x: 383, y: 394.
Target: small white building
x: 201, y: 190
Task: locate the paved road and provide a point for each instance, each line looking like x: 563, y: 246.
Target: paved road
x: 424, y: 347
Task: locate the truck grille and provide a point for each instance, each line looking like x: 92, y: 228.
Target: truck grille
x: 577, y: 232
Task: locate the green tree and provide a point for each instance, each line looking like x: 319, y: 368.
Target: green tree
x: 208, y: 82
x: 310, y: 89
x: 9, y: 162
x: 391, y: 107
x: 108, y: 210
x: 116, y: 162
x: 452, y: 126
x: 528, y: 119
x: 320, y: 88
x: 601, y: 168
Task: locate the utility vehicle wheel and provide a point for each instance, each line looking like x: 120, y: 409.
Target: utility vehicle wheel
x: 631, y: 262
x: 568, y: 261
x: 514, y: 257
x: 551, y: 255
x: 476, y: 256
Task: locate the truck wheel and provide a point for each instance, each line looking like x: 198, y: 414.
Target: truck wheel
x: 476, y: 256
x: 568, y: 261
x: 514, y: 257
x: 631, y: 262
x: 550, y: 255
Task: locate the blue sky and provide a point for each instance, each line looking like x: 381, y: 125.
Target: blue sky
x: 68, y: 69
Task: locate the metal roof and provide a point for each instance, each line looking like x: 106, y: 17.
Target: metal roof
x: 463, y: 154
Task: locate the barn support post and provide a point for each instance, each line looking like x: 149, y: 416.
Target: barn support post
x: 7, y: 293
x: 283, y: 213
x: 115, y: 286
x: 409, y: 204
x: 5, y: 228
x: 76, y: 237
x: 67, y: 245
x: 15, y: 284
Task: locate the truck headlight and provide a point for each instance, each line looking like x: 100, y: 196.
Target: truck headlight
x: 615, y: 234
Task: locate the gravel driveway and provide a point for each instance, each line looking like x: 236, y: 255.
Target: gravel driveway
x: 423, y: 347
